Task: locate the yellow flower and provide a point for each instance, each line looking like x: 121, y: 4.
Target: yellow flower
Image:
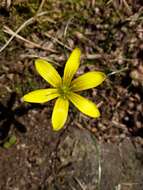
x: 64, y: 89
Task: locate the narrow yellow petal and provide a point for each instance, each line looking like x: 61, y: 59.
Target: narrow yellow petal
x: 87, y: 80
x: 41, y: 96
x: 71, y: 66
x: 48, y: 72
x: 60, y: 113
x: 84, y: 105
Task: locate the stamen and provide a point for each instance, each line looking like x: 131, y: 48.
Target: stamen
x: 63, y: 91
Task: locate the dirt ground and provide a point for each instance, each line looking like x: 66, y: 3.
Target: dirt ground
x: 88, y: 154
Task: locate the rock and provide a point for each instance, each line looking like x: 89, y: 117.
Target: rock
x: 87, y: 164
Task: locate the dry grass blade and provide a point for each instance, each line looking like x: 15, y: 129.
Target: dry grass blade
x: 57, y: 41
x: 26, y: 23
x: 118, y: 71
x: 9, y: 31
x: 79, y: 183
x: 8, y: 4
x: 97, y: 146
x: 67, y: 25
x: 41, y: 6
x: 31, y: 56
x: 127, y: 6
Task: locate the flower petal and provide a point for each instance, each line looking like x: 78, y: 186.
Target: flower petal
x: 41, y: 96
x: 84, y: 105
x: 87, y: 80
x: 60, y: 113
x: 48, y: 72
x: 71, y: 66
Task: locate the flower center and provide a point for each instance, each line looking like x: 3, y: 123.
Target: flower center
x: 63, y: 91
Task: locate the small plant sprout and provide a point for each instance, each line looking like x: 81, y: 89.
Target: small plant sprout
x: 10, y: 142
x: 65, y: 89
